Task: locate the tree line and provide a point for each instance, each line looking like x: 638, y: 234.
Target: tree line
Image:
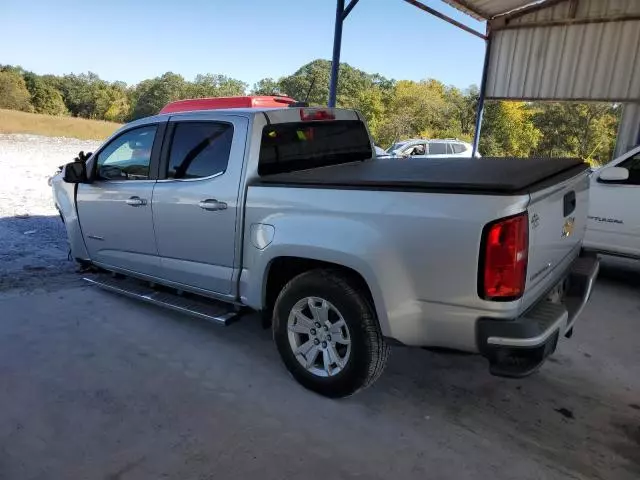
x: 395, y: 109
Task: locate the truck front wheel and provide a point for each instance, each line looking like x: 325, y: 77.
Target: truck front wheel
x: 327, y: 333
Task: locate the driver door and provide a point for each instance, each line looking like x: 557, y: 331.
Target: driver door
x: 614, y: 217
x: 115, y: 209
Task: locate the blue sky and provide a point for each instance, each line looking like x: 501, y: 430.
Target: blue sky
x: 131, y: 40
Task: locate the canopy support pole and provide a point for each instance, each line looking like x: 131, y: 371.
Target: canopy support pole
x: 481, y: 97
x: 335, y: 61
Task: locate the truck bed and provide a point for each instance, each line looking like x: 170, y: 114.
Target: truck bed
x: 486, y: 176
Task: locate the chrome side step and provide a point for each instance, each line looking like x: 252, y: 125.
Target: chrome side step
x: 210, y: 310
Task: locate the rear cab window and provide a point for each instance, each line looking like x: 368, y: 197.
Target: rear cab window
x: 289, y: 147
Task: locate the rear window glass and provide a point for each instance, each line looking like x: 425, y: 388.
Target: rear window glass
x: 199, y: 149
x: 438, y: 148
x: 288, y: 147
x: 459, y: 148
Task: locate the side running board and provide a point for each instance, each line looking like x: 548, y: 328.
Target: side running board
x: 211, y: 310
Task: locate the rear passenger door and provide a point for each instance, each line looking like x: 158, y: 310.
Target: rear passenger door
x: 195, y: 201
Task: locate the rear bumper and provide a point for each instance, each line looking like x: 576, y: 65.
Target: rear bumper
x: 517, y: 348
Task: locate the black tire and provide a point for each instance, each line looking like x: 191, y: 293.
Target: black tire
x: 369, y: 351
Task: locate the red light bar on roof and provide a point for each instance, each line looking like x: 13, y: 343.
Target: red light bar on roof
x: 249, y: 101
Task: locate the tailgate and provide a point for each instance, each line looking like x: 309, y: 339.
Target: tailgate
x: 557, y: 224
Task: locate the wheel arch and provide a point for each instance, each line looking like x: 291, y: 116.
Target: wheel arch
x: 283, y: 268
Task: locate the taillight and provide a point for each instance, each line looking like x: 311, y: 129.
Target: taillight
x: 503, y: 262
x: 307, y: 114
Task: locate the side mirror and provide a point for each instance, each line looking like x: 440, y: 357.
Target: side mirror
x: 613, y: 174
x: 75, y: 172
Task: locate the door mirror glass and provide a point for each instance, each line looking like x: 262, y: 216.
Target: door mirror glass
x: 614, y: 174
x: 75, y: 172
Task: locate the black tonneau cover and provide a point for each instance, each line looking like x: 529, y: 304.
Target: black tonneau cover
x: 500, y: 176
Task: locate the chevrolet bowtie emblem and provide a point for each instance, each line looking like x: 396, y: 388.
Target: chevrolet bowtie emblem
x: 568, y: 226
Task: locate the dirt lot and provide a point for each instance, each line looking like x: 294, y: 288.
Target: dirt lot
x: 97, y: 386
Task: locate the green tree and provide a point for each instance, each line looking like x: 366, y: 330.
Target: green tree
x: 46, y: 98
x: 154, y: 94
x: 371, y: 103
x: 81, y: 94
x: 267, y: 86
x: 112, y: 102
x: 414, y: 109
x: 585, y: 130
x: 311, y: 82
x: 214, y: 85
x: 13, y: 92
x: 460, y: 112
x: 508, y: 130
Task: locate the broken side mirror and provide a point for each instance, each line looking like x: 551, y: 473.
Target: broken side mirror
x: 75, y: 172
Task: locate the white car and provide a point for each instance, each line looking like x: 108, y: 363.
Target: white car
x: 613, y: 225
x: 421, y: 148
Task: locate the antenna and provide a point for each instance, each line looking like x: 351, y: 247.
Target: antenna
x: 313, y: 82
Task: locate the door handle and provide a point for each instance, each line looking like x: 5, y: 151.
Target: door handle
x: 136, y: 201
x: 212, y: 204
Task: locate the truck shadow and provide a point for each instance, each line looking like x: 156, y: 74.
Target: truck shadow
x: 453, y: 396
x: 621, y: 271
x: 33, y: 249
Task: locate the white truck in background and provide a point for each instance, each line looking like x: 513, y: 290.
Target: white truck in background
x: 613, y: 225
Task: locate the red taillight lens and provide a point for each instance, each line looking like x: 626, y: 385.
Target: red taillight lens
x: 504, y: 265
x: 307, y: 115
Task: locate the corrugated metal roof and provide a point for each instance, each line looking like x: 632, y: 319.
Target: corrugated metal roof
x: 486, y: 9
x: 579, y: 61
x: 584, y: 10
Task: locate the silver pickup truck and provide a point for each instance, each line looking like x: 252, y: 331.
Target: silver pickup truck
x: 288, y: 212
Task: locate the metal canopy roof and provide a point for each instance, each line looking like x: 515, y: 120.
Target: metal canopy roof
x: 488, y: 9
x: 556, y: 50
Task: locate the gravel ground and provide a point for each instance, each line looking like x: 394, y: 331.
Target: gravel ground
x: 93, y: 385
x: 32, y: 239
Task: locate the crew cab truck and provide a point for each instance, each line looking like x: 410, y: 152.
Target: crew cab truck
x: 287, y: 211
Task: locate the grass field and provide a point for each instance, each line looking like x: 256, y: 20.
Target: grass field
x: 12, y: 121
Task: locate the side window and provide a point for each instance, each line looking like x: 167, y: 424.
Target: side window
x: 633, y: 165
x: 437, y: 148
x: 417, y: 149
x: 450, y: 148
x: 199, y: 149
x: 128, y: 156
x: 459, y: 148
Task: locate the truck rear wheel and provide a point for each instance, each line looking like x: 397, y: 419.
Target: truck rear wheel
x: 327, y: 334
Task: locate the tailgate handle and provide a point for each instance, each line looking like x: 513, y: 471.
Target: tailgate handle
x: 569, y: 203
